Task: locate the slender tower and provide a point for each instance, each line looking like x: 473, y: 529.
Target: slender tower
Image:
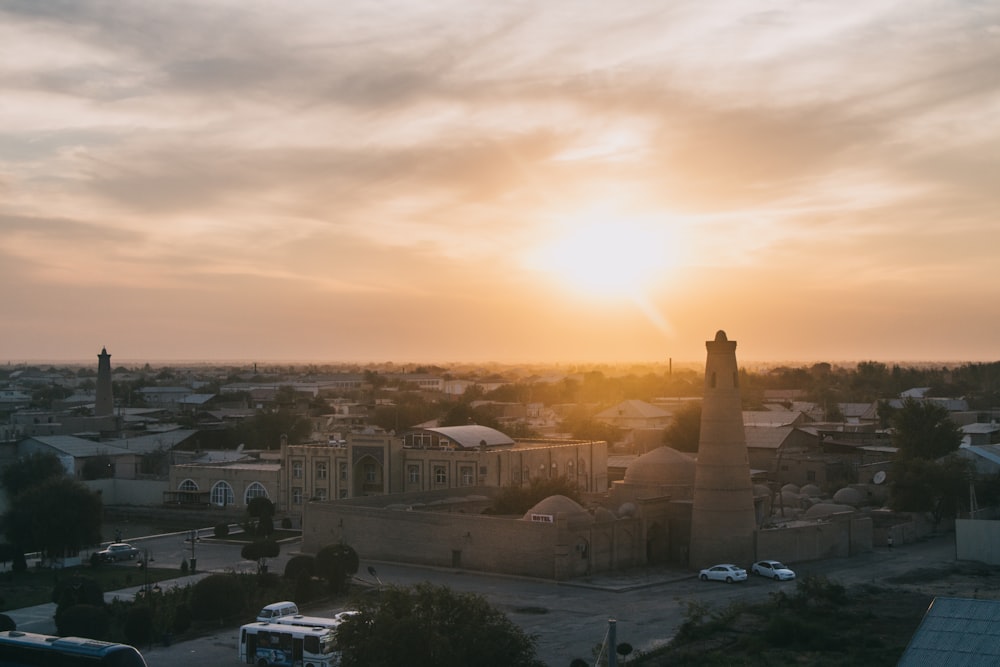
x: 722, y: 514
x: 104, y: 406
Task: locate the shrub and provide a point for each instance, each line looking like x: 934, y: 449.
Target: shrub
x: 217, y: 596
x: 83, y: 620
x: 301, y: 565
x: 7, y: 623
x: 138, y: 627
x: 286, y: 523
x: 221, y: 530
x: 182, y: 618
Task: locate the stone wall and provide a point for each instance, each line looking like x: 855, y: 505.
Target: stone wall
x: 836, y: 538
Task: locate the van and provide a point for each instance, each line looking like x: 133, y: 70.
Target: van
x: 276, y: 610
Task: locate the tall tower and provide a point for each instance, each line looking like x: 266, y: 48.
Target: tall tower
x: 722, y: 515
x: 104, y: 405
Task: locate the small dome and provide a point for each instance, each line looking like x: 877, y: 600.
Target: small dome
x: 761, y: 490
x: 848, y: 496
x: 811, y: 490
x: 554, y: 505
x: 820, y: 510
x: 794, y: 488
x: 604, y: 514
x: 627, y: 510
x: 662, y: 465
x: 790, y: 498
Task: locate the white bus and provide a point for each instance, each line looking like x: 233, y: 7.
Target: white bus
x: 280, y: 645
x: 315, y: 621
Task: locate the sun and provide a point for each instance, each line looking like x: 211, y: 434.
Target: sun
x: 608, y: 258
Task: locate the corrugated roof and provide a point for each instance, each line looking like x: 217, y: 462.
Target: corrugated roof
x: 473, y: 435
x: 956, y: 631
x: 633, y: 409
x: 766, y: 437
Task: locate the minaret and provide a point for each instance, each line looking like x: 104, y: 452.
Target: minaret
x: 722, y: 514
x: 104, y: 406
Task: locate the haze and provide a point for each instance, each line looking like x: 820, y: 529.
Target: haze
x: 512, y: 181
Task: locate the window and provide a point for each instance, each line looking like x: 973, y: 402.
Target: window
x: 320, y: 494
x: 222, y: 494
x: 255, y: 490
x: 440, y: 475
x: 811, y: 475
x: 466, y: 473
x: 370, y: 473
x: 187, y: 485
x: 342, y: 471
x: 321, y: 470
x: 297, y: 469
x: 413, y: 474
x: 296, y: 495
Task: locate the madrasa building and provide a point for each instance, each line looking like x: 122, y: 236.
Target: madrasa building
x: 670, y: 508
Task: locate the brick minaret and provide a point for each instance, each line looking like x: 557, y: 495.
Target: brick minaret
x: 104, y: 405
x: 722, y: 515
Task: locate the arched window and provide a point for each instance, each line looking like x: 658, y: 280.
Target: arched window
x: 222, y: 494
x: 255, y: 490
x: 187, y: 485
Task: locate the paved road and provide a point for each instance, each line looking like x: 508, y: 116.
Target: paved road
x: 570, y: 619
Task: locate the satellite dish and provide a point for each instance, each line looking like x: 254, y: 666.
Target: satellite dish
x: 879, y: 477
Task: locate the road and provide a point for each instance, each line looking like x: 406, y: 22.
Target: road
x: 569, y: 618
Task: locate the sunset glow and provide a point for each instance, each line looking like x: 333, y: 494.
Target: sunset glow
x: 451, y: 181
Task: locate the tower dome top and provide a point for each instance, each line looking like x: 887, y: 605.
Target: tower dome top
x: 720, y: 336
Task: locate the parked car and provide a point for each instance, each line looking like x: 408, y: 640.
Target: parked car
x: 118, y: 551
x: 772, y: 569
x: 726, y: 572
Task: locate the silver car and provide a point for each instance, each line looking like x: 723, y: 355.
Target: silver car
x: 118, y: 551
x: 772, y: 569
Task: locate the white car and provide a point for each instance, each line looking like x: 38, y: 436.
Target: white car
x: 726, y: 572
x: 772, y: 569
x: 118, y: 551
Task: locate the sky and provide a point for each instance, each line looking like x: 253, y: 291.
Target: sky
x: 454, y: 181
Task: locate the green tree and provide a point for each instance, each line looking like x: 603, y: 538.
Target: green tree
x: 939, y: 487
x: 29, y: 471
x: 427, y: 625
x: 337, y: 563
x: 217, y: 597
x: 260, y: 551
x: 684, y: 432
x: 924, y: 430
x: 58, y: 517
x: 260, y: 511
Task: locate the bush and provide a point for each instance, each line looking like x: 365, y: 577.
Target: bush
x: 286, y: 523
x: 217, y: 596
x: 77, y: 590
x: 138, y: 627
x: 182, y: 618
x: 83, y: 620
x: 298, y: 566
x: 7, y: 623
x: 221, y: 530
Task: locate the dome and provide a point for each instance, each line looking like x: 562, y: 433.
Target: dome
x: 554, y: 505
x: 604, y: 514
x: 848, y: 496
x: 761, y: 490
x: 811, y: 490
x: 790, y: 498
x: 627, y: 509
x: 662, y: 465
x: 820, y: 510
x: 793, y: 488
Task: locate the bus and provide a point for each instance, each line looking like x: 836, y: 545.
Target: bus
x: 23, y: 649
x: 315, y: 621
x: 280, y: 645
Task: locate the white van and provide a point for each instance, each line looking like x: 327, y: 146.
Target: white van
x: 277, y: 610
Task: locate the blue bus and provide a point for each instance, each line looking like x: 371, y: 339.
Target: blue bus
x: 27, y: 649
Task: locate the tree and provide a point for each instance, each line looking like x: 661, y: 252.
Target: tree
x: 923, y: 429
x: 29, y: 471
x: 260, y: 551
x: 260, y: 510
x: 337, y: 563
x: 939, y: 487
x: 685, y: 431
x: 428, y: 625
x: 58, y: 517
